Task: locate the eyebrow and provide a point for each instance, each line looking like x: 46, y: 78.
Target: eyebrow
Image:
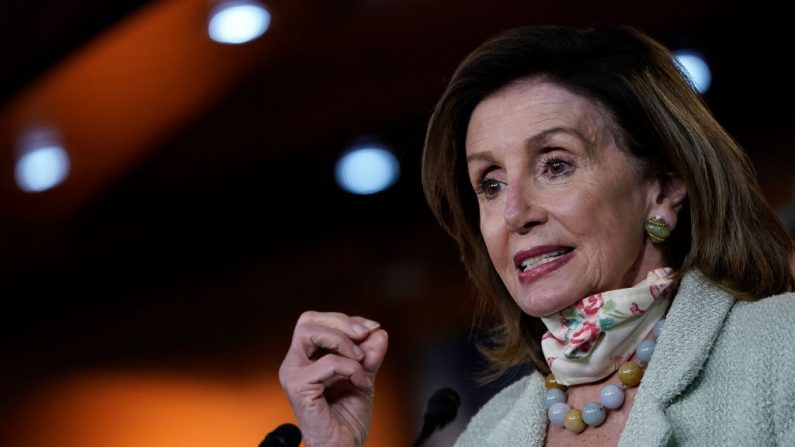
x: 539, y: 139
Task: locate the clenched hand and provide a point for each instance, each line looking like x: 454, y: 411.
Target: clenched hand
x: 329, y: 377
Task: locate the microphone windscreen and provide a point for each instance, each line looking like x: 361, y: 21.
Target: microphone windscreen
x: 443, y: 406
x: 285, y: 435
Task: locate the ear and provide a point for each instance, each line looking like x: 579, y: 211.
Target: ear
x: 668, y: 195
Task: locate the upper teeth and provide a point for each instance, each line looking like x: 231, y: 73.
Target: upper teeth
x: 548, y: 256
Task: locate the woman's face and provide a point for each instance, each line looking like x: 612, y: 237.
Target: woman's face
x: 561, y: 206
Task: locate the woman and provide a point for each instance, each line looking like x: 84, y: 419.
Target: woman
x: 617, y: 234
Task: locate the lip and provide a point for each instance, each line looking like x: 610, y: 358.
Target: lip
x: 531, y: 275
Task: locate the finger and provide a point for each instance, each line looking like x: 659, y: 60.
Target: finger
x: 333, y: 367
x: 369, y: 324
x: 374, y: 350
x: 356, y: 328
x: 315, y: 340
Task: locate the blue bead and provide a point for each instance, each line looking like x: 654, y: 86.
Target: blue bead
x: 552, y: 396
x: 658, y: 327
x: 556, y: 413
x: 593, y: 414
x: 611, y: 396
x: 645, y: 350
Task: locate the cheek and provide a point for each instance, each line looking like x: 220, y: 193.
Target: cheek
x: 602, y: 222
x: 582, y: 212
x: 493, y: 234
x: 616, y: 241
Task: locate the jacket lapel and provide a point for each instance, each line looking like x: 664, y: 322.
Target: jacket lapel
x: 691, y: 327
x: 525, y: 423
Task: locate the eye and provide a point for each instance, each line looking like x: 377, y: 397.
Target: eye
x: 557, y: 167
x: 489, y: 187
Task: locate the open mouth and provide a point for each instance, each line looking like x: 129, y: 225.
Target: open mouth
x: 535, y: 261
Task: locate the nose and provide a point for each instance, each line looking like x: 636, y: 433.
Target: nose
x: 521, y: 212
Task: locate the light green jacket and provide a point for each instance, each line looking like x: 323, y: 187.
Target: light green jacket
x: 722, y: 374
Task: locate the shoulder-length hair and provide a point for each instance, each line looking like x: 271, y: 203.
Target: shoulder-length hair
x: 726, y: 229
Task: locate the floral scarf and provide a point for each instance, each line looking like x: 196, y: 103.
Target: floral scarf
x: 589, y: 340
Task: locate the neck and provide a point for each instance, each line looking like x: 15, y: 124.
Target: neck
x: 587, y: 341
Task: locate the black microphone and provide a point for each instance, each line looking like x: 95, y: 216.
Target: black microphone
x: 441, y: 409
x: 285, y: 435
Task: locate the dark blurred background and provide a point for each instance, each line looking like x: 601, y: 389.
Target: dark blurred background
x: 149, y: 298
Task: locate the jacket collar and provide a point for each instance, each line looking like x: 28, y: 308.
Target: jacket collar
x: 693, y: 323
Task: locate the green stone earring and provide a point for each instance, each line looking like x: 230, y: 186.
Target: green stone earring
x: 657, y: 229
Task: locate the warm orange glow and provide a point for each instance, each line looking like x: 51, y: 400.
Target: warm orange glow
x: 118, y: 97
x: 154, y: 410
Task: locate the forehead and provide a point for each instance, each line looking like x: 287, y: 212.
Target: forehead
x: 527, y: 107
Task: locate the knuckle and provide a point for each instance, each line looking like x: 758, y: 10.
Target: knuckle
x: 327, y: 341
x: 307, y: 315
x: 338, y: 315
x: 304, y: 333
x: 338, y: 363
x: 286, y: 373
x: 298, y: 337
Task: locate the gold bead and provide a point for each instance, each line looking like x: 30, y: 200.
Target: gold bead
x: 630, y: 374
x: 551, y: 382
x: 657, y: 229
x: 573, y: 421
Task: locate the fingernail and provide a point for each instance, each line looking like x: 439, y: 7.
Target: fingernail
x: 357, y: 351
x: 358, y: 329
x: 371, y: 324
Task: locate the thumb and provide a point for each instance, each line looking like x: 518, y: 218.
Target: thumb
x: 374, y: 347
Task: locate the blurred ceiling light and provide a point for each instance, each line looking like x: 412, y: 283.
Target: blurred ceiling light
x: 238, y: 21
x: 43, y: 163
x: 695, y: 68
x: 367, y: 170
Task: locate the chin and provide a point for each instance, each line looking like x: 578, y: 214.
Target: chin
x: 547, y: 302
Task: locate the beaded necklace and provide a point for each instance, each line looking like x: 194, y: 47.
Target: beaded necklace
x: 611, y: 396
